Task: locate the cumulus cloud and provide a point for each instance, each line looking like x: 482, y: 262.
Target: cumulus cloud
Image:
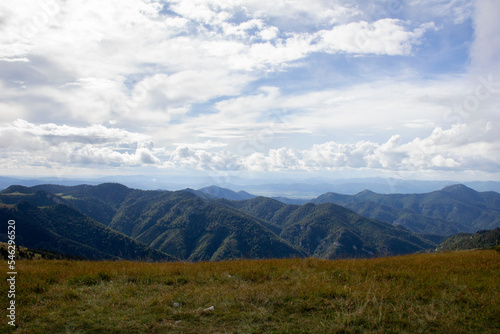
x: 136, y: 61
x: 62, y: 144
x: 200, y: 159
x: 459, y: 148
x: 385, y: 36
x: 56, y: 134
x: 201, y: 84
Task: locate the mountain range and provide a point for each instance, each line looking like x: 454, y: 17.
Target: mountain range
x: 451, y: 210
x: 112, y: 221
x: 65, y: 230
x: 297, y: 189
x: 454, y: 209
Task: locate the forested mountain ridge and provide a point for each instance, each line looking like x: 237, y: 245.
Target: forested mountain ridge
x: 63, y: 229
x: 198, y: 227
x: 454, y: 209
x: 218, y: 192
x: 332, y: 231
x: 479, y: 240
x: 193, y: 228
x: 178, y: 222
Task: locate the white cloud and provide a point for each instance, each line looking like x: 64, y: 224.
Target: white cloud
x: 203, y: 79
x: 104, y: 54
x: 359, y: 108
x: 61, y: 144
x: 287, y: 13
x: 184, y: 157
x: 456, y: 11
x: 463, y: 146
x: 460, y: 148
x: 269, y: 33
x: 385, y: 36
x: 486, y: 47
x: 202, y: 145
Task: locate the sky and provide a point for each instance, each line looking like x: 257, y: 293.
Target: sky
x: 251, y: 88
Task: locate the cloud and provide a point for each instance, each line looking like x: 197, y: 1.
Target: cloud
x: 100, y: 62
x: 202, y: 145
x: 61, y: 144
x: 459, y: 148
x: 455, y: 11
x: 464, y: 146
x: 184, y: 157
x: 385, y: 36
x: 486, y: 47
x: 247, y: 85
x: 291, y: 14
x: 55, y: 134
x: 367, y: 107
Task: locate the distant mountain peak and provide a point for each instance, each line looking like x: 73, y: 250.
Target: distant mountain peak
x: 229, y: 194
x: 213, y: 187
x: 112, y: 185
x: 365, y: 192
x: 16, y: 189
x: 458, y: 188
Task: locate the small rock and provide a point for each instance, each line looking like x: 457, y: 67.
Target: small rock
x: 177, y: 322
x: 176, y: 305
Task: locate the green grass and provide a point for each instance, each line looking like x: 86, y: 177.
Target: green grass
x: 430, y: 293
x: 66, y: 196
x: 17, y: 194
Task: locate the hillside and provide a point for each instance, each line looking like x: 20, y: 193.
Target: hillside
x: 195, y: 229
x: 204, y: 228
x: 24, y: 253
x: 454, y: 209
x: 178, y: 223
x: 331, y: 231
x: 478, y: 240
x: 218, y: 192
x: 429, y: 293
x: 63, y: 229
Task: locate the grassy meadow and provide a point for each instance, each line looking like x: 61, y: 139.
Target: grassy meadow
x: 456, y: 292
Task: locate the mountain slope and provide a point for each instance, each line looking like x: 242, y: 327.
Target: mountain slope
x: 98, y: 202
x: 332, y: 231
x: 63, y: 229
x: 166, y: 220
x: 111, y: 193
x: 218, y: 192
x: 194, y: 229
x: 205, y: 228
x: 452, y: 210
x: 261, y: 207
x: 478, y: 240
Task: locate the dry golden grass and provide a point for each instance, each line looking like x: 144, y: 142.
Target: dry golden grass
x: 433, y: 293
